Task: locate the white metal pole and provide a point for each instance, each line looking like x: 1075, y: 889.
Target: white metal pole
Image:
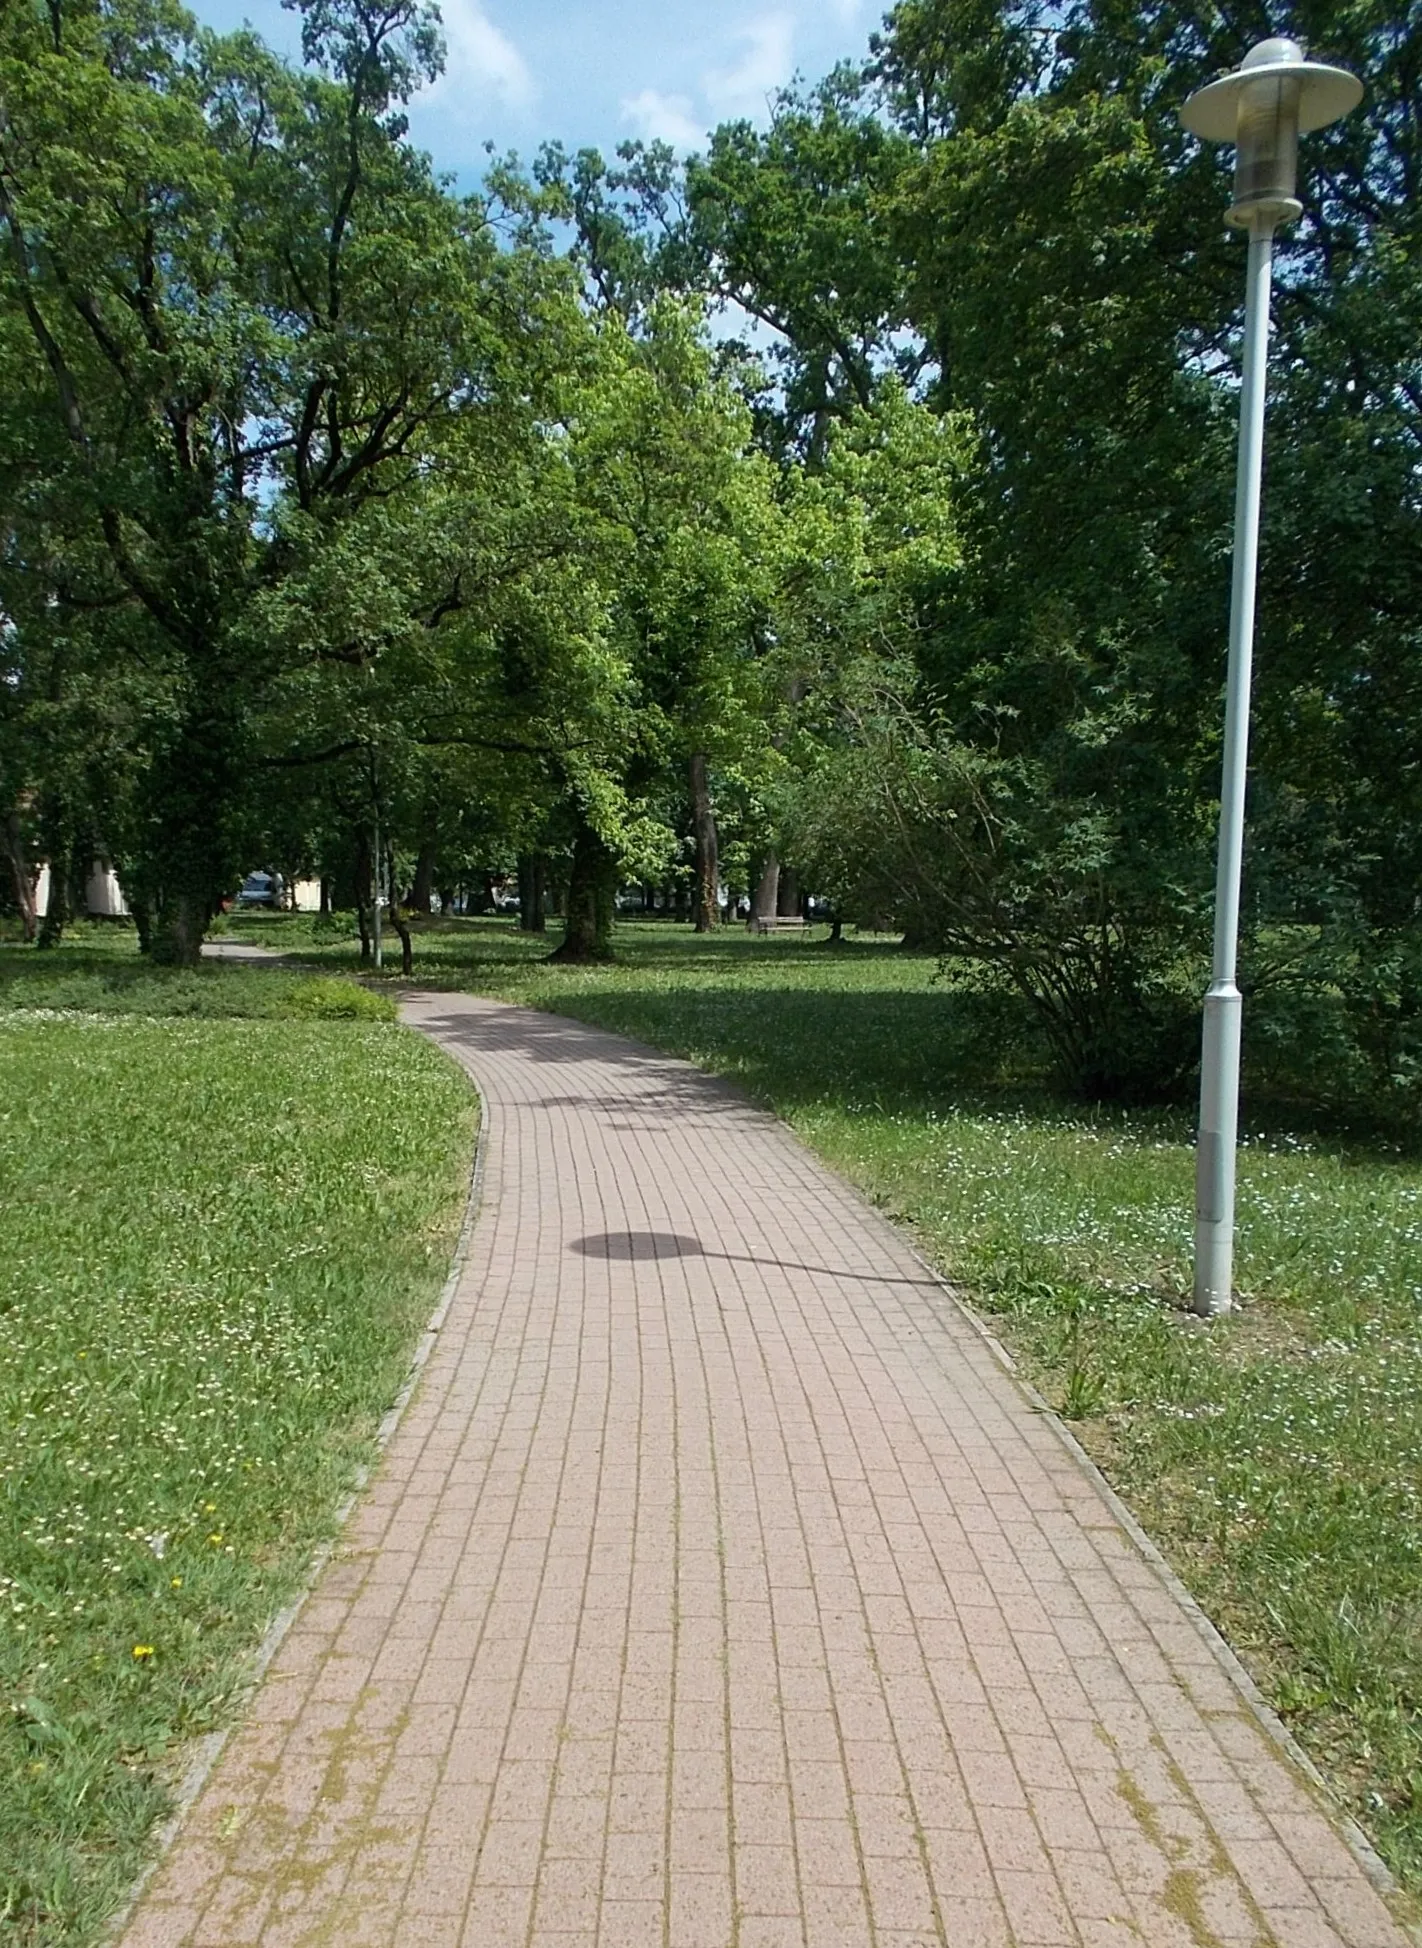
x: 1219, y: 1060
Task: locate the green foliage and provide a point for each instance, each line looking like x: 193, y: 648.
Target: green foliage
x: 1021, y: 765
x: 788, y: 225
x: 332, y: 500
x: 209, y: 1295
x: 324, y: 999
x: 229, y: 291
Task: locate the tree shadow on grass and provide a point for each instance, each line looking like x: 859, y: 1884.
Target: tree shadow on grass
x: 78, y: 979
x: 914, y: 1053
x: 879, y: 1051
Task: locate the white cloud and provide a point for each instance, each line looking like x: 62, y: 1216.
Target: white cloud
x: 765, y: 65
x: 664, y: 118
x: 847, y: 11
x: 764, y: 62
x: 480, y: 60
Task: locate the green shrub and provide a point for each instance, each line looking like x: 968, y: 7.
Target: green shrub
x: 326, y: 997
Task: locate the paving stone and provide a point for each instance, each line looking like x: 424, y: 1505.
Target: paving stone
x: 720, y: 1585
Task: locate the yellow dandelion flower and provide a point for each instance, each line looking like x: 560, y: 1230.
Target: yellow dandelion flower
x: 141, y: 1651
x: 215, y: 1538
x: 175, y: 1582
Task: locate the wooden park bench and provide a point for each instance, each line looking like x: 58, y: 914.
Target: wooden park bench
x: 776, y: 923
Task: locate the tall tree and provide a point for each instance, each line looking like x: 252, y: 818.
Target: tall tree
x: 235, y: 285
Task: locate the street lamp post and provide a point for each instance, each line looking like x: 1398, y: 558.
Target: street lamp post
x: 1262, y: 107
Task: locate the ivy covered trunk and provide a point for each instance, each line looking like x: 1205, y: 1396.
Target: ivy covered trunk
x: 56, y: 834
x: 188, y: 862
x: 182, y: 922
x: 21, y: 876
x: 397, y: 917
x: 708, y: 860
x: 592, y: 888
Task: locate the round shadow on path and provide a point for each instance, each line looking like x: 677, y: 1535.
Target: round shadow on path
x: 638, y: 1244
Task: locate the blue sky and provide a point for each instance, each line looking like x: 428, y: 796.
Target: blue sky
x: 597, y: 71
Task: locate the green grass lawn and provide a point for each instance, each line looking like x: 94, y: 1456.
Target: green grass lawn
x: 218, y: 1239
x: 1273, y: 1454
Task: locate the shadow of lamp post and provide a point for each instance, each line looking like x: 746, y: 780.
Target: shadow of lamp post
x: 1262, y: 107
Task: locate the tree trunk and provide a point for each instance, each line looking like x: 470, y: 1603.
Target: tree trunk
x: 592, y: 887
x: 325, y: 892
x: 763, y: 906
x: 708, y: 858
x: 182, y: 921
x: 142, y: 913
x: 21, y: 874
x: 424, y: 879
x: 532, y: 873
x: 187, y: 858
x: 56, y: 836
x: 398, y: 920
x: 365, y: 905
x: 787, y: 897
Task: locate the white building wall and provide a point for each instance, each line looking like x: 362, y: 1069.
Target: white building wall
x: 102, y: 893
x: 103, y: 896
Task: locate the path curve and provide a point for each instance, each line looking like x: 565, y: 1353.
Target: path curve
x: 720, y: 1589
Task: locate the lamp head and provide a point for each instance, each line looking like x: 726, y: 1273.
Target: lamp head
x: 1262, y: 107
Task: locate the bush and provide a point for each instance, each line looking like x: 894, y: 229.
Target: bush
x: 326, y: 997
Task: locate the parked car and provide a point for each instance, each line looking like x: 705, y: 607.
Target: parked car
x: 260, y: 889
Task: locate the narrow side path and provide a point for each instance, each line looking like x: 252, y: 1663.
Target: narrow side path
x: 719, y: 1589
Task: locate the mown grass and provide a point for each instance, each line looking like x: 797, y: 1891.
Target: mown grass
x: 99, y: 971
x: 1273, y: 1454
x: 218, y: 1238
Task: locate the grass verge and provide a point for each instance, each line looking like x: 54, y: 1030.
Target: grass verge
x: 218, y: 1239
x: 99, y: 972
x: 1272, y: 1454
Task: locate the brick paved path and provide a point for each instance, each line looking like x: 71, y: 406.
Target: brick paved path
x: 719, y: 1590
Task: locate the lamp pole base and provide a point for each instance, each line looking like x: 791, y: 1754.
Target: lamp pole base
x: 1214, y: 1155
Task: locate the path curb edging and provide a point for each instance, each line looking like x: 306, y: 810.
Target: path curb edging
x: 210, y: 1748
x: 1379, y: 1874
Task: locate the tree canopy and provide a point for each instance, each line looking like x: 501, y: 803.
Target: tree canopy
x: 855, y: 493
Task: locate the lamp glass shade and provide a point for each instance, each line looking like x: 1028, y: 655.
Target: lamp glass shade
x: 1266, y: 162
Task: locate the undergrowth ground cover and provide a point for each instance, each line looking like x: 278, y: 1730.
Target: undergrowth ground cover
x: 1273, y: 1454
x: 220, y: 1230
